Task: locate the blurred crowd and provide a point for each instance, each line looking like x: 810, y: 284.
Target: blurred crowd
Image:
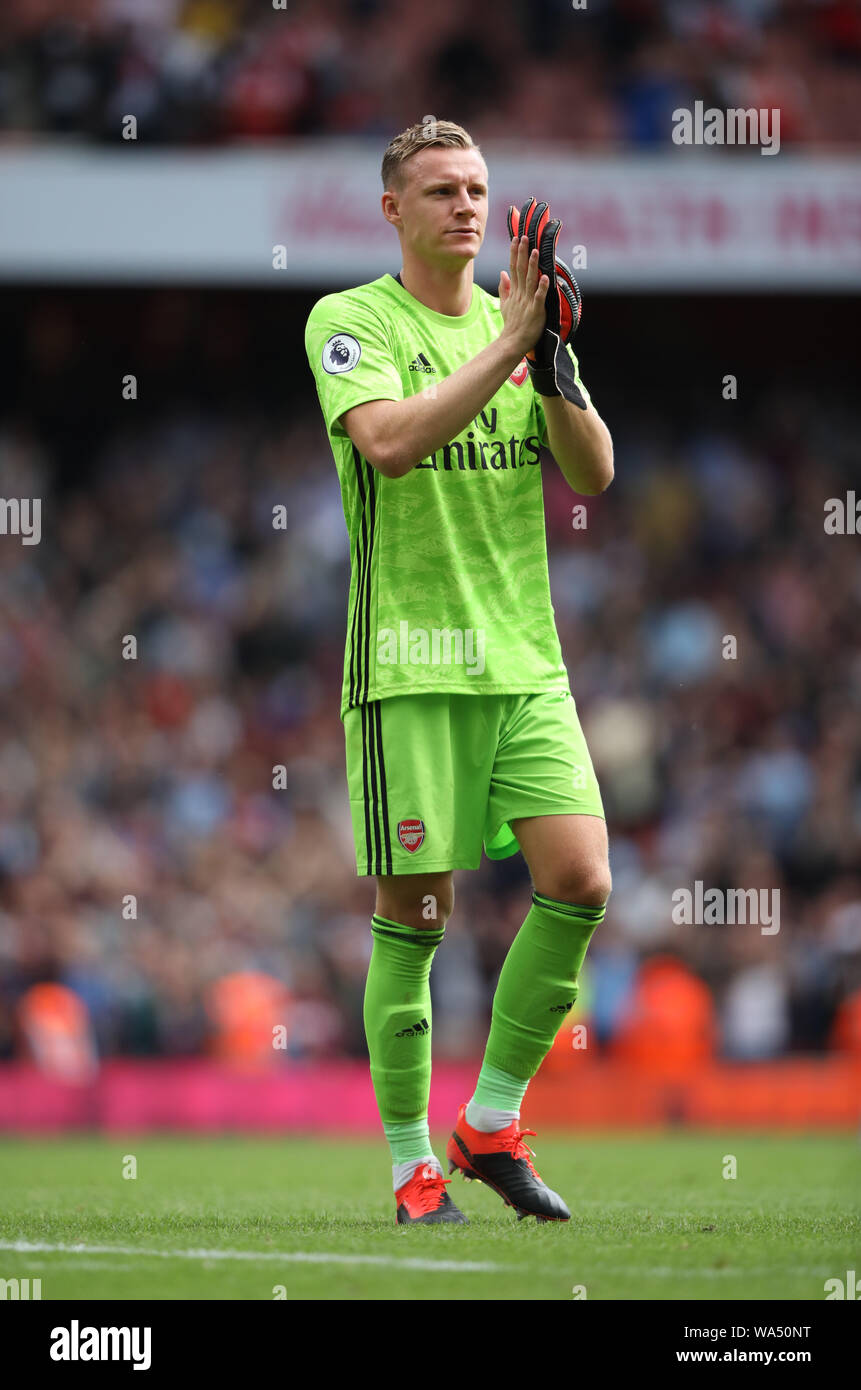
x: 148, y: 847
x: 602, y: 75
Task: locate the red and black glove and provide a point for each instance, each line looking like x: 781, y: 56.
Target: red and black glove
x: 550, y: 367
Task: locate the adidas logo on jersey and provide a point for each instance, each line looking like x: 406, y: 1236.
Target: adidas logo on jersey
x: 421, y: 364
x: 417, y: 1031
x: 562, y: 1008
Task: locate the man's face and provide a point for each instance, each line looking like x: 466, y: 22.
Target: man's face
x: 441, y: 210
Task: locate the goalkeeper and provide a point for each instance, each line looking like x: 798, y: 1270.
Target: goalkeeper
x: 461, y: 729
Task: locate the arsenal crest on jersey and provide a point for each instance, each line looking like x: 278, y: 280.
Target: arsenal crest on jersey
x: 411, y: 833
x: 520, y: 373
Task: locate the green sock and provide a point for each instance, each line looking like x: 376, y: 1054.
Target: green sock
x: 537, y: 986
x: 397, y: 1013
x: 409, y: 1141
x: 498, y: 1090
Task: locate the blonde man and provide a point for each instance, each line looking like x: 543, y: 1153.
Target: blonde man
x: 460, y: 726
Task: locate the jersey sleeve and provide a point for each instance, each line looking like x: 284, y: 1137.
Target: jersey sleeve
x: 539, y: 407
x: 350, y: 356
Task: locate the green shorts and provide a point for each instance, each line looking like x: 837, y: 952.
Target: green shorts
x: 431, y: 777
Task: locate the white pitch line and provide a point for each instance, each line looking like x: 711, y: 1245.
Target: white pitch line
x: 26, y: 1247
x: 737, y: 1271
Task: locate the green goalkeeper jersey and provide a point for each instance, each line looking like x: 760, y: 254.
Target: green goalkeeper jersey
x: 449, y: 590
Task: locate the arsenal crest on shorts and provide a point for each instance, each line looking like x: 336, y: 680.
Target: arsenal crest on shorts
x: 411, y: 833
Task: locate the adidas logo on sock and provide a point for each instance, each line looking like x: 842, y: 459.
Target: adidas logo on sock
x: 421, y: 364
x: 417, y: 1031
x: 562, y: 1008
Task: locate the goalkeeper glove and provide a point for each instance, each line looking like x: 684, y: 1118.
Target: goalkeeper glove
x: 549, y: 362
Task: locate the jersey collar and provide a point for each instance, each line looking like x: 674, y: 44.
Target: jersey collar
x: 455, y: 321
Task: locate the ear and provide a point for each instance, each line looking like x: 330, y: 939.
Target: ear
x: 389, y: 204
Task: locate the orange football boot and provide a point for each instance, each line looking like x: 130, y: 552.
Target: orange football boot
x: 424, y: 1200
x: 503, y: 1161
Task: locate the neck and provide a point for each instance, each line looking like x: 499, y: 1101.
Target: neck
x: 438, y: 287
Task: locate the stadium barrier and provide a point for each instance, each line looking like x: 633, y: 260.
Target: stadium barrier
x: 241, y: 216
x: 199, y: 1095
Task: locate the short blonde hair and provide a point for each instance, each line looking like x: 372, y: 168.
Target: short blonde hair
x: 421, y: 136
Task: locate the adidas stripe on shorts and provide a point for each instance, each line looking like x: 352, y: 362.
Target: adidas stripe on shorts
x: 433, y: 777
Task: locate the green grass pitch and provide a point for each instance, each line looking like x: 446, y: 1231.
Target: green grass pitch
x: 242, y: 1217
